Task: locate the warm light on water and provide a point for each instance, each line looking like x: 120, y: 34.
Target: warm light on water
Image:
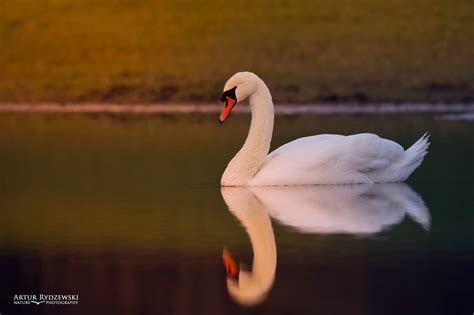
x: 127, y: 212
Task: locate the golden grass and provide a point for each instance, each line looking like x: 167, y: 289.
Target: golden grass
x: 179, y: 51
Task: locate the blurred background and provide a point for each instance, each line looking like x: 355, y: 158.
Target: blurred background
x: 125, y: 209
x: 145, y: 51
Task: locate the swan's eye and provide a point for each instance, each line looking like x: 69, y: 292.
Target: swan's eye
x: 229, y: 93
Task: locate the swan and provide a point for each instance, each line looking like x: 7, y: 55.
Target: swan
x: 315, y: 160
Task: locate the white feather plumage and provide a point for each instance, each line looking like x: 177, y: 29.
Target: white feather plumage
x: 315, y: 160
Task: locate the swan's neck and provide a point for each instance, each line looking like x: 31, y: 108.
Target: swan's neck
x: 253, y: 153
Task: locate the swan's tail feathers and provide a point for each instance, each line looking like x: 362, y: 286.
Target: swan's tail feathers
x: 415, y: 154
x: 420, y: 148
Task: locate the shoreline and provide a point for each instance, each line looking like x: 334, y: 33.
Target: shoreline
x: 280, y: 109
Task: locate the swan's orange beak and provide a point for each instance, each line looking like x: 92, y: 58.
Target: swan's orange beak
x: 229, y: 98
x: 230, y: 265
x: 228, y: 105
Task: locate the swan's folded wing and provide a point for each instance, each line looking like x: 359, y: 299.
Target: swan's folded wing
x: 369, y: 152
x: 329, y: 158
x: 304, y: 161
x: 377, y: 164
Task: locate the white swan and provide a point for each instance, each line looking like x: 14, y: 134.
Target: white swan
x: 321, y: 159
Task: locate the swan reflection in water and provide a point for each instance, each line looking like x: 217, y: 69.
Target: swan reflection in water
x: 341, y: 209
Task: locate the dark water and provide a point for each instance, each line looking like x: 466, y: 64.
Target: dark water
x: 127, y: 213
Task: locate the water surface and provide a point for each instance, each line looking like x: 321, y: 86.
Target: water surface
x: 127, y: 212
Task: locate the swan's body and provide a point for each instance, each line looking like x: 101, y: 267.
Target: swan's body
x: 315, y: 160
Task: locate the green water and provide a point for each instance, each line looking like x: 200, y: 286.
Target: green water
x: 127, y: 212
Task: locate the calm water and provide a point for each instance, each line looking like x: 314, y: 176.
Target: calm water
x: 126, y: 212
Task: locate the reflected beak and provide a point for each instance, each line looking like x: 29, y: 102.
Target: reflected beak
x: 229, y: 103
x: 229, y: 264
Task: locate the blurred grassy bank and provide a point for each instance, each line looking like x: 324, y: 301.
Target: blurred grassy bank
x: 180, y: 51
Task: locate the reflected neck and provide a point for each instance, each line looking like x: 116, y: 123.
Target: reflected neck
x: 252, y: 285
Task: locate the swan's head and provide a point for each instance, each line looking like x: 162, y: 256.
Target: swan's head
x: 240, y: 86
